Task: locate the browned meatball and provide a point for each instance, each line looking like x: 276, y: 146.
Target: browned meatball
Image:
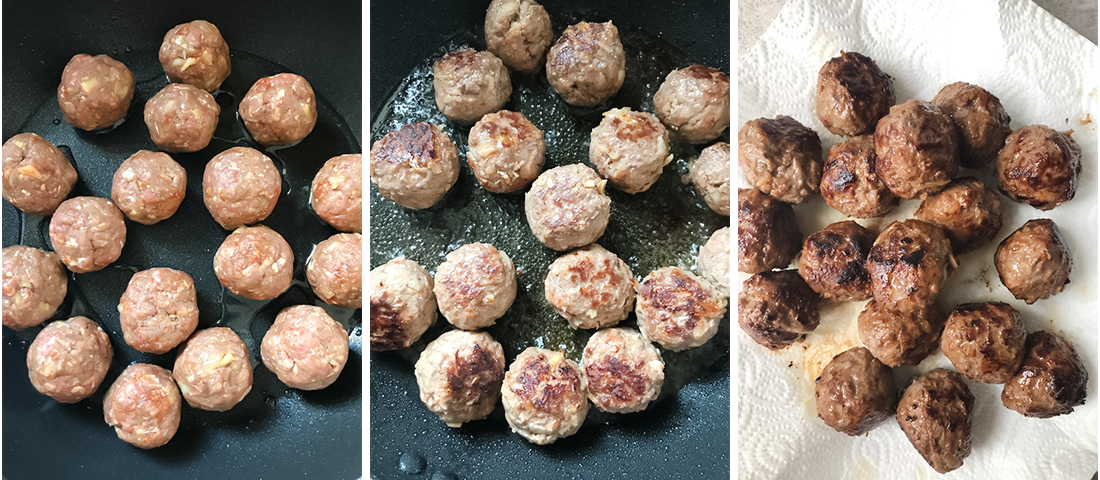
x: 158, y: 310
x: 832, y: 261
x: 767, y: 234
x: 195, y: 53
x: 544, y: 396
x: 967, y: 210
x: 336, y: 193
x: 279, y: 110
x: 985, y: 341
x: 934, y: 412
x: 624, y: 370
x: 677, y: 309
x: 1039, y: 166
x: 711, y: 176
x: 852, y: 94
x: 240, y: 186
x: 714, y: 260
x: 566, y: 207
x: 414, y: 166
x: 1034, y: 262
x: 335, y: 270
x: 402, y: 305
x: 213, y: 370
x: 460, y: 375
x: 850, y: 184
x: 37, y: 176
x: 34, y: 286
x: 1052, y: 380
x: 586, y: 65
x: 780, y: 157
x: 475, y: 285
x: 255, y: 262
x: 518, y: 32
x: 591, y: 287
x: 182, y: 118
x: 909, y: 263
x: 630, y: 149
x: 980, y: 118
x: 777, y: 308
x: 144, y: 406
x: 88, y: 233
x: 95, y: 92
x: 855, y: 392
x: 69, y: 359
x: 305, y: 347
x: 506, y: 151
x: 149, y: 187
x: 469, y: 84
x: 900, y: 337
x: 917, y: 149
x: 694, y: 103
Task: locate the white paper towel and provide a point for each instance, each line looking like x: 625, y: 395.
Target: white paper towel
x: 1044, y: 73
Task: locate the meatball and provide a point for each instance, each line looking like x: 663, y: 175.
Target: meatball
x: 506, y: 151
x: 402, y: 304
x: 849, y: 182
x: 149, y: 187
x: 518, y: 32
x: 414, y: 166
x: 255, y: 262
x: 460, y: 375
x: 213, y: 370
x: 677, y: 309
x: 591, y: 287
x: 586, y: 66
x: 917, y: 149
x: 855, y: 392
x: 935, y: 412
x: 1039, y: 166
x: 279, y: 110
x: 182, y: 118
x: 95, y: 92
x: 985, y: 341
x: 335, y: 270
x: 34, y: 286
x: 711, y: 176
x: 158, y: 310
x: 777, y: 308
x: 694, y: 102
x: 908, y: 264
x: 900, y: 337
x: 69, y: 359
x: 88, y: 233
x: 475, y: 285
x: 980, y: 119
x: 240, y: 186
x: 1034, y: 262
x: 1052, y: 380
x: 714, y: 260
x: 196, y: 54
x: 305, y: 347
x: 833, y: 259
x: 780, y: 157
x: 624, y: 370
x: 469, y: 84
x: 852, y: 94
x: 566, y: 207
x: 767, y: 234
x: 143, y: 405
x: 630, y: 149
x: 544, y: 396
x: 37, y: 176
x: 336, y: 193
x: 968, y: 212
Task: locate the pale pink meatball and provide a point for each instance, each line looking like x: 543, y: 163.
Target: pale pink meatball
x: 544, y: 396
x: 34, y: 286
x: 335, y: 270
x: 280, y: 109
x: 68, y: 359
x: 591, y: 287
x: 506, y: 151
x: 95, y: 92
x: 475, y: 285
x: 624, y: 371
x: 714, y: 260
x: 336, y: 193
x: 566, y: 207
x: 195, y: 53
x: 711, y: 176
x: 460, y: 375
x: 158, y: 310
x: 402, y: 305
x: 518, y: 32
x: 149, y: 187
x: 630, y: 149
x: 144, y: 406
x: 587, y: 65
x: 255, y: 262
x: 694, y: 102
x: 88, y: 233
x: 677, y: 309
x: 182, y: 118
x: 37, y: 176
x: 305, y: 347
x: 240, y: 186
x: 213, y: 370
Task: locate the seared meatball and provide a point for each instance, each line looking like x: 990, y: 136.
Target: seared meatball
x: 900, y: 337
x: 586, y: 66
x: 195, y: 53
x: 95, y: 92
x: 460, y: 375
x: 143, y: 405
x: 767, y: 234
x: 714, y: 260
x: 777, y: 308
x: 475, y: 285
x: 694, y: 102
x: 780, y: 157
x: 591, y: 287
x: 335, y: 270
x: 630, y: 149
x: 182, y: 118
x: 34, y: 286
x: 566, y: 207
x: 852, y: 94
x: 711, y: 176
x: 855, y: 392
x: 624, y: 370
x: 917, y: 149
x: 506, y: 151
x: 934, y: 413
x: 402, y: 304
x: 908, y: 264
x: 213, y: 370
x: 240, y: 186
x: 518, y: 33
x: 968, y: 212
x: 68, y: 359
x: 158, y: 310
x: 1034, y: 262
x: 677, y: 309
x: 850, y: 184
x: 279, y: 110
x: 88, y: 233
x: 149, y: 187
x: 414, y: 166
x: 336, y: 193
x: 980, y: 118
x: 37, y: 176
x: 544, y: 395
x: 469, y: 84
x: 985, y: 341
x: 255, y: 262
x: 1039, y: 166
x: 1052, y: 380
x: 832, y: 261
x: 305, y: 347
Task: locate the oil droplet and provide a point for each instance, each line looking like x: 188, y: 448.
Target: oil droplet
x: 443, y: 476
x: 129, y: 49
x: 57, y: 121
x: 411, y: 463
x: 269, y: 400
x: 114, y: 51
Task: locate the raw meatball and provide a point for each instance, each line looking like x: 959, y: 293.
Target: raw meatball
x: 402, y: 305
x: 213, y: 370
x: 767, y: 234
x: 95, y: 92
x: 88, y: 233
x: 255, y: 262
x: 694, y: 102
x: 566, y: 207
x: 711, y: 176
x: 900, y: 337
x: 917, y: 149
x: 469, y: 84
x: 780, y: 157
x: 305, y: 347
x: 34, y: 286
x: 143, y: 405
x: 69, y: 359
x: 849, y: 182
x: 981, y: 121
x: 855, y: 392
x: 518, y: 32
x: 475, y: 285
x: 1052, y: 380
x: 852, y: 94
x: 149, y: 187
x: 985, y: 341
x: 279, y: 110
x: 336, y: 193
x: 1034, y: 262
x: 677, y: 309
x: 714, y: 260
x: 777, y: 308
x: 624, y: 370
x: 460, y: 375
x: 586, y: 66
x: 1039, y: 166
x: 506, y: 151
x: 630, y: 149
x: 544, y: 395
x: 591, y: 287
x: 908, y: 264
x: 968, y: 212
x: 832, y: 262
x: 934, y: 413
x: 414, y: 166
x: 335, y: 270
x: 37, y: 176
x: 240, y: 186
x: 195, y: 53
x: 158, y: 310
x: 182, y: 118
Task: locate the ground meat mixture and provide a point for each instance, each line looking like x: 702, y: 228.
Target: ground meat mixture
x: 35, y: 284
x: 336, y: 193
x: 95, y: 92
x: 182, y: 118
x: 240, y: 186
x: 335, y: 270
x: 255, y: 262
x: 213, y: 369
x: 37, y: 176
x: 279, y: 110
x: 711, y: 176
x: 144, y: 406
x: 149, y: 187
x: 305, y: 347
x: 195, y: 53
x: 69, y: 359
x: 158, y: 310
x: 714, y: 260
x: 88, y: 233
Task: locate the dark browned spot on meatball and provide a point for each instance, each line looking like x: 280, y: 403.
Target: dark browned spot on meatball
x: 476, y: 377
x: 623, y: 380
x: 413, y: 144
x: 545, y: 388
x: 387, y: 331
x: 457, y: 60
x: 679, y: 293
x: 702, y: 72
x: 823, y: 243
x: 913, y: 258
x: 578, y: 43
x: 586, y: 273
x: 632, y: 127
